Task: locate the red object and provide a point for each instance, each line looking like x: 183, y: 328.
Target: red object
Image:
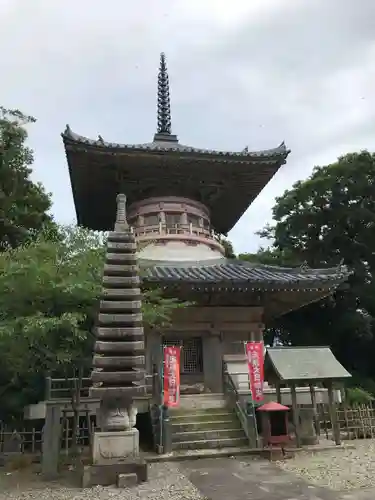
x: 172, y: 357
x: 255, y: 363
x: 274, y: 419
x: 272, y: 406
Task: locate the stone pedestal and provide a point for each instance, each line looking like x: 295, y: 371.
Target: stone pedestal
x: 307, y: 430
x: 115, y: 460
x: 115, y: 447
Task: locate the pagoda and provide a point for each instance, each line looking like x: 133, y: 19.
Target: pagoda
x: 180, y: 200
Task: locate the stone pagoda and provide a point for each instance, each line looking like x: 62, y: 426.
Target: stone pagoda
x: 119, y: 363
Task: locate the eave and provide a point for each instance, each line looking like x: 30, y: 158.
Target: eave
x: 225, y: 182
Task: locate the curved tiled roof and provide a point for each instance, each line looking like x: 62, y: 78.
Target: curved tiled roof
x: 242, y: 272
x: 165, y: 144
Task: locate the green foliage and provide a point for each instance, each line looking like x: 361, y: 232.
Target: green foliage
x: 23, y: 203
x: 49, y: 290
x: 228, y: 247
x: 358, y: 396
x: 270, y: 257
x: 327, y: 220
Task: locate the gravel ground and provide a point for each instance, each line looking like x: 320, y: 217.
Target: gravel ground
x: 340, y: 470
x: 166, y: 482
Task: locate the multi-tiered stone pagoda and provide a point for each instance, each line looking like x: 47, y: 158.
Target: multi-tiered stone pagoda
x: 180, y: 199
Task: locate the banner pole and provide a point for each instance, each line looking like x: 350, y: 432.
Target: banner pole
x: 161, y: 407
x: 252, y: 399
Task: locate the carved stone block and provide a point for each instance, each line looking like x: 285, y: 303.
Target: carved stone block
x: 115, y: 447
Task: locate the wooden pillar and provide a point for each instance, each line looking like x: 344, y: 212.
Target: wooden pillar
x: 333, y: 414
x: 51, y: 441
x: 278, y: 392
x: 295, y: 415
x: 315, y: 409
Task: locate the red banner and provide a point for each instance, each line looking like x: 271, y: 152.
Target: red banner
x: 172, y: 375
x: 255, y: 363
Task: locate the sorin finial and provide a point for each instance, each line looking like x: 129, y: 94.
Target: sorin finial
x: 121, y: 222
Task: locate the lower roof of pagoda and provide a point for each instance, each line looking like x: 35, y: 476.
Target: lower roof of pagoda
x: 278, y: 290
x: 225, y: 182
x: 241, y: 274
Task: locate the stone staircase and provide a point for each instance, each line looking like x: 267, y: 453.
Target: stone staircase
x: 203, y: 421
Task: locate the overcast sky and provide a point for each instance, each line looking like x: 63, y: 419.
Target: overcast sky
x: 243, y: 73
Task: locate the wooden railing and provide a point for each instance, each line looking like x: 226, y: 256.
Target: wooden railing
x: 163, y: 228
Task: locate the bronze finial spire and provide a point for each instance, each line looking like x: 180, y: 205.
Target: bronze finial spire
x: 164, y: 105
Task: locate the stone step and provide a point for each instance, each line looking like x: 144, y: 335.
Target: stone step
x: 106, y: 319
x: 121, y: 269
x: 208, y: 435
x: 121, y: 246
x: 120, y: 305
x: 215, y: 413
x: 122, y: 293
x: 214, y: 443
x: 201, y: 425
x: 121, y: 281
x: 102, y: 347
x: 117, y: 378
x: 127, y: 480
x: 191, y: 404
x: 118, y: 362
x: 103, y: 332
x: 202, y: 396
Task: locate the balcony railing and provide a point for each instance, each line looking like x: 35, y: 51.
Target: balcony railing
x: 166, y: 229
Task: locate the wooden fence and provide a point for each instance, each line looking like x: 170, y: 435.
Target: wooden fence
x: 356, y: 422
x: 29, y: 439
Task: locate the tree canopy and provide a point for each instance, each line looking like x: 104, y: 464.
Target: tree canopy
x: 24, y: 204
x: 48, y: 302
x: 326, y: 220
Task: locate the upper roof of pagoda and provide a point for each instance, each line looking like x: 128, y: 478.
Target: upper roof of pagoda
x: 226, y: 182
x: 170, y: 144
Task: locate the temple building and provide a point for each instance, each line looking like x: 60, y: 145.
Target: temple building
x: 180, y: 201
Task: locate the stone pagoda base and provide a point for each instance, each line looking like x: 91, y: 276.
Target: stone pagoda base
x: 115, y: 446
x: 115, y: 460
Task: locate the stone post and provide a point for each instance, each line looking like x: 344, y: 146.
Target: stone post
x: 51, y: 441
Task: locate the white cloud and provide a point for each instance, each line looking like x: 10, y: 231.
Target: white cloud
x: 242, y: 73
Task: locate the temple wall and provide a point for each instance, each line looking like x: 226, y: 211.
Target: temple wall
x: 222, y: 330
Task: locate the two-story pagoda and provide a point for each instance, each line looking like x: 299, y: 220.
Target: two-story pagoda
x: 179, y: 198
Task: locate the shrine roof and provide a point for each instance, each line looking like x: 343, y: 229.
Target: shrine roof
x: 305, y: 364
x: 165, y: 143
x: 273, y: 406
x: 226, y: 182
x: 231, y: 271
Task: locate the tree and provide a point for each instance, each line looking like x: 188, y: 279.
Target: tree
x: 328, y: 220
x: 228, y: 248
x: 23, y: 203
x: 48, y: 302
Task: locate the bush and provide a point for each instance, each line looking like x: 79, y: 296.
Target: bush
x: 358, y: 396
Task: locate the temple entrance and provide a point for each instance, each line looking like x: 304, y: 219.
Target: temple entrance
x: 191, y: 358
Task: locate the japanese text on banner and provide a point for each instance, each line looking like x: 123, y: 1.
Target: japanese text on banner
x: 172, y: 375
x: 255, y: 363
